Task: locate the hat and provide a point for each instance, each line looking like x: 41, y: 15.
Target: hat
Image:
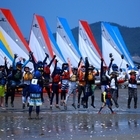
x: 90, y: 68
x: 83, y: 66
x: 37, y: 74
x: 132, y: 72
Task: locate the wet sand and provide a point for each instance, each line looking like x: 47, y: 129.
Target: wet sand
x: 79, y: 124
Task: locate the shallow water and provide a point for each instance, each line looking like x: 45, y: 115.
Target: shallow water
x: 69, y: 126
x: 79, y: 124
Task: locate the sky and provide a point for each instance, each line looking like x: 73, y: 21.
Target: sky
x: 123, y: 12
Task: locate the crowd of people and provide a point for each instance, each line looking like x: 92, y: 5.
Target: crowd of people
x: 63, y: 81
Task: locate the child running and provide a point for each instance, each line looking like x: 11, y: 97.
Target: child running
x: 106, y: 99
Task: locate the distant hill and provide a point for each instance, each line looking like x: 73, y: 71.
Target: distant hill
x: 131, y: 36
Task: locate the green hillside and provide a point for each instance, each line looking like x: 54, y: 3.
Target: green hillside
x: 131, y: 36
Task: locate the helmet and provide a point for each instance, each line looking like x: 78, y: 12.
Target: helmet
x: 114, y: 67
x: 37, y: 74
x: 19, y: 63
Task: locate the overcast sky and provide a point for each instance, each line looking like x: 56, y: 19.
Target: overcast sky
x: 123, y: 12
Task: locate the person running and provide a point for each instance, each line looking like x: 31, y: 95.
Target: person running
x: 106, y: 98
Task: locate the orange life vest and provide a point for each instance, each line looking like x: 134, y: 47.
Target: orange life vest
x: 66, y: 75
x: 56, y: 78
x: 81, y: 76
x: 27, y: 76
x: 47, y: 70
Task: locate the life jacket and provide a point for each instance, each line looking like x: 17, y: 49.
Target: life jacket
x: 90, y: 76
x: 108, y: 95
x: 73, y: 78
x: 65, y: 75
x: 132, y: 79
x: 105, y: 95
x: 81, y: 76
x: 47, y: 70
x: 56, y: 78
x: 18, y: 75
x: 27, y: 76
x: 35, y: 86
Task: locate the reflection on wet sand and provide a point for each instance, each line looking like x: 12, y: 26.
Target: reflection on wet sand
x: 79, y: 124
x: 69, y: 126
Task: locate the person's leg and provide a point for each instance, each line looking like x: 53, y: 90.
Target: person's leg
x: 57, y: 98
x: 70, y: 89
x: 51, y: 100
x: 7, y: 95
x: 92, y: 96
x: 48, y: 91
x: 129, y: 97
x: 2, y: 92
x: 79, y: 95
x: 135, y: 97
x: 62, y: 96
x: 104, y: 104
x: 92, y: 101
x: 74, y: 98
x: 114, y: 97
x: 30, y: 111
x: 12, y: 96
x: 37, y: 111
x: 24, y: 96
x: 111, y: 109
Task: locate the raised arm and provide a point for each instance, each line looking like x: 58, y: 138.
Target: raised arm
x: 31, y: 58
x: 54, y: 71
x: 14, y: 61
x: 45, y: 59
x: 70, y: 69
x: 51, y: 61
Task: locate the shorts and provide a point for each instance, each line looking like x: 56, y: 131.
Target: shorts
x: 2, y: 91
